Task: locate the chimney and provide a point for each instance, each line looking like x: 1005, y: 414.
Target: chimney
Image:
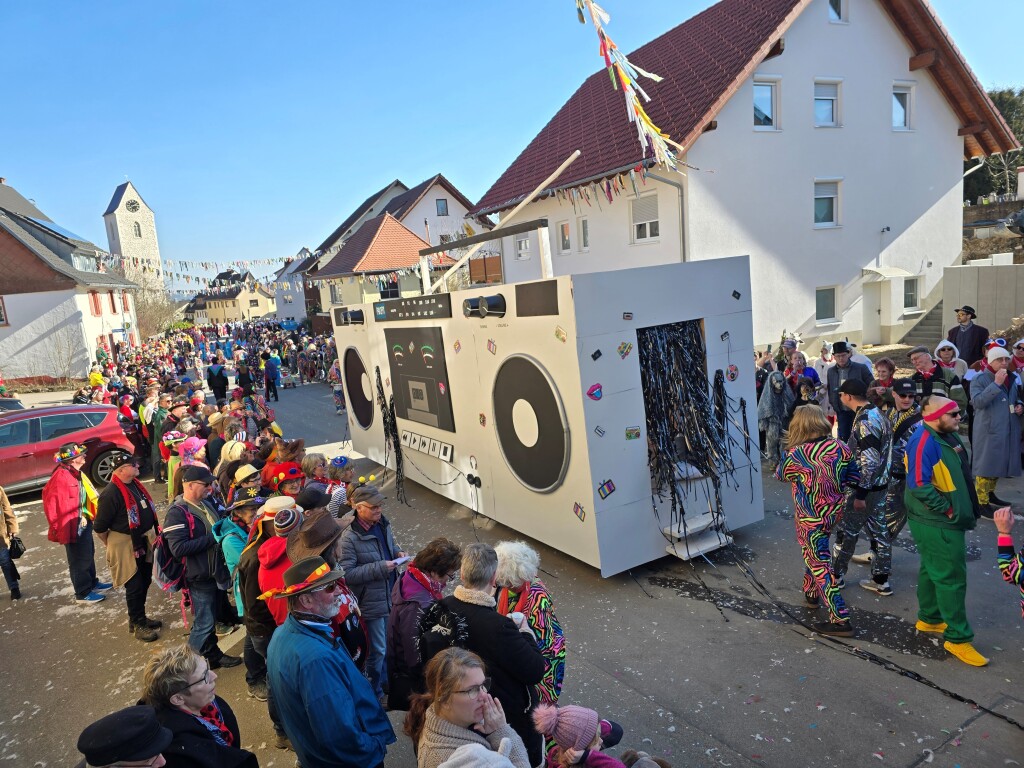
x: 2, y: 180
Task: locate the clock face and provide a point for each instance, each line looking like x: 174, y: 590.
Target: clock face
x: 132, y: 206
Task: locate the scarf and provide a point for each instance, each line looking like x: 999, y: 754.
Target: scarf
x: 433, y: 587
x: 520, y: 606
x: 950, y: 364
x: 887, y: 383
x: 211, y: 718
x: 928, y: 374
x: 87, y: 498
x: 131, y: 504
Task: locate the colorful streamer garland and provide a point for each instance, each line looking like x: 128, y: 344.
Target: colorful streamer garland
x: 626, y: 74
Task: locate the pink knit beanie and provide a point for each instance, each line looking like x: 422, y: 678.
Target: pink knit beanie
x: 571, y: 727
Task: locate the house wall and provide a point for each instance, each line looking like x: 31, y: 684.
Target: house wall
x: 754, y: 191
x: 46, y: 334
x: 996, y: 290
x: 426, y: 209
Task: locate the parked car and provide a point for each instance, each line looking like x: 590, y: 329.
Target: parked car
x: 30, y: 438
x: 11, y: 404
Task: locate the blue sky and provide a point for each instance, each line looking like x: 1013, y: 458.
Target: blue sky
x: 254, y: 128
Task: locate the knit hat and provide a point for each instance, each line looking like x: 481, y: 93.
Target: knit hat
x: 287, y: 520
x: 571, y: 727
x: 996, y: 353
x: 480, y: 756
x: 285, y: 472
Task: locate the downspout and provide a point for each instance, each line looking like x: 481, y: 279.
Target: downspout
x: 682, y: 211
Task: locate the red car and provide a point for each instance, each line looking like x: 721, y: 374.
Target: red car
x: 30, y: 438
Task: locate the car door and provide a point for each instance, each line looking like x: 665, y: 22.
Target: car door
x: 57, y: 429
x: 17, y: 463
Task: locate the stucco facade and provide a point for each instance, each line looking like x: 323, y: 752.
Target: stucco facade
x: 752, y: 191
x: 248, y: 304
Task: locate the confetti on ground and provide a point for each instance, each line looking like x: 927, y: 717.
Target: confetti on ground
x: 879, y: 755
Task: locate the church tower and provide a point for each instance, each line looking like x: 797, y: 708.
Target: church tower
x: 131, y: 235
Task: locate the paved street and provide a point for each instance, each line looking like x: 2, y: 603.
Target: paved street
x: 697, y: 664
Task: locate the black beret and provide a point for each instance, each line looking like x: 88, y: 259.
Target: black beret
x: 129, y: 735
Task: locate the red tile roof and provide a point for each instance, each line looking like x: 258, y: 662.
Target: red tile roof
x: 703, y: 62
x: 381, y: 244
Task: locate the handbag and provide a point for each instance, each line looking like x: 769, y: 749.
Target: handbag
x: 17, y: 547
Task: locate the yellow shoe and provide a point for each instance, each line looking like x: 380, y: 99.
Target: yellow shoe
x: 924, y: 626
x: 966, y: 653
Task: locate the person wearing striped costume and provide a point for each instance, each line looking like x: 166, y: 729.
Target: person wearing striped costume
x: 818, y: 466
x: 1011, y: 565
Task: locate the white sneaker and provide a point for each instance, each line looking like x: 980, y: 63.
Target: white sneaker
x: 864, y: 559
x: 885, y: 590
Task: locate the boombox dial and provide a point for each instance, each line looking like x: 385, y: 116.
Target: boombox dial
x: 484, y: 306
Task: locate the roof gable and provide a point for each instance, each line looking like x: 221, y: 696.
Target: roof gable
x: 12, y: 200
x: 703, y: 62
x: 382, y: 244
x: 401, y: 206
x: 365, y: 206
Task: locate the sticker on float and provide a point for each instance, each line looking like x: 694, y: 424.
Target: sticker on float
x: 530, y: 423
x: 422, y: 390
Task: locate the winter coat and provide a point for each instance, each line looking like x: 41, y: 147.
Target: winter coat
x: 440, y: 738
x: 232, y: 538
x: 273, y: 563
x: 409, y: 599
x: 8, y: 522
x: 971, y: 344
x: 189, y: 534
x: 941, y: 381
x: 514, y: 662
x: 871, y: 444
x: 939, y: 493
x: 326, y: 706
x: 217, y: 377
x: 854, y: 371
x: 995, y: 439
x: 193, y: 746
x: 62, y: 503
x: 366, y: 570
x: 259, y: 621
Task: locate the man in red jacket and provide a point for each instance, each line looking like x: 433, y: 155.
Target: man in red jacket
x: 69, y: 503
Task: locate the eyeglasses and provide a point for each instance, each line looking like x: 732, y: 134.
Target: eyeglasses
x: 955, y: 414
x: 476, y: 690
x: 206, y: 678
x: 334, y: 586
x: 1019, y: 346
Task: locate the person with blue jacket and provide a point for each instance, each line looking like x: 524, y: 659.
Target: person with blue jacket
x: 329, y: 710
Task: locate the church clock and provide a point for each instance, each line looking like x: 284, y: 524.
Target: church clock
x: 132, y: 206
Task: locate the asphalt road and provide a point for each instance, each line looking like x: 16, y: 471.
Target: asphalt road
x: 698, y: 665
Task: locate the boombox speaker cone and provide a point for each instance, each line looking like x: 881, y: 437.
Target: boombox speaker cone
x: 360, y: 406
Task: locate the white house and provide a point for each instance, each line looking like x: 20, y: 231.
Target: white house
x: 290, y: 288
x: 824, y: 138
x: 434, y: 212
x: 131, y: 235
x: 56, y: 306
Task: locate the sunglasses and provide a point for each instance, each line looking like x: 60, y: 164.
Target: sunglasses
x: 955, y: 414
x: 334, y: 586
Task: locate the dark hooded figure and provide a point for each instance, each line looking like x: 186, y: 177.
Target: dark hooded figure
x: 773, y: 414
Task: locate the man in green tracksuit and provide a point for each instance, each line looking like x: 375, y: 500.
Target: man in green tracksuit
x: 941, y: 507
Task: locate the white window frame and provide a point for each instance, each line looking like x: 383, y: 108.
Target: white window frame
x: 844, y: 11
x: 837, y: 100
x: 523, y: 246
x: 837, y: 198
x: 775, y: 83
x: 437, y: 206
x: 835, y: 307
x: 908, y: 88
x: 645, y: 221
x: 583, y: 234
x: 563, y: 233
x: 917, y: 293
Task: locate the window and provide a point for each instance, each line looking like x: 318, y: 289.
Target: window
x: 445, y: 239
x: 95, y: 418
x: 3, y: 313
x: 390, y: 289
x: 113, y: 302
x: 911, y: 296
x: 826, y: 204
x: 837, y: 11
x: 564, y: 243
x: 14, y: 434
x: 95, y: 305
x: 584, y: 234
x: 254, y: 303
x: 60, y: 426
x: 825, y: 303
x: 826, y: 104
x: 766, y: 105
x: 442, y: 207
x: 124, y: 301
x: 336, y: 294
x: 137, y: 228
x: 523, y: 246
x: 645, y: 218
x: 901, y: 107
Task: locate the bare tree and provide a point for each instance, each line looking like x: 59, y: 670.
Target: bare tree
x: 154, y: 312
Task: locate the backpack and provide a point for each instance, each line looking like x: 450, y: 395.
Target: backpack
x: 168, y: 570
x: 440, y: 627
